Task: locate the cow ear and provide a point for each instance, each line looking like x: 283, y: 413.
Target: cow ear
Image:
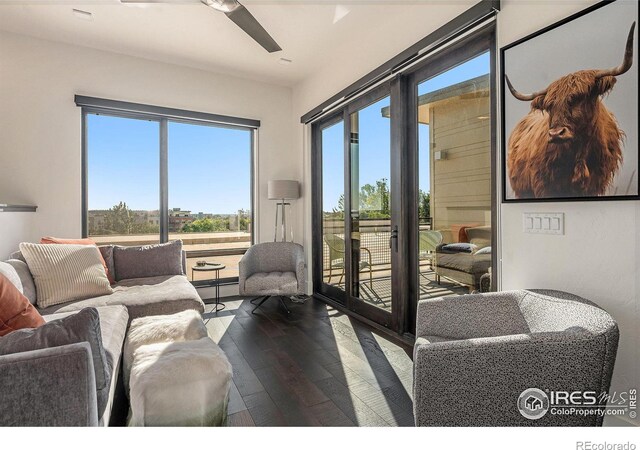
x: 536, y: 103
x: 604, y: 85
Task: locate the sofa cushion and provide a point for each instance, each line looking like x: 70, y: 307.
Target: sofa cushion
x: 144, y: 297
x: 12, y: 275
x: 26, y: 279
x: 64, y: 273
x: 144, y: 261
x: 113, y: 322
x: 271, y: 283
x: 464, y: 262
x: 81, y: 327
x: 15, y: 310
x: 85, y: 241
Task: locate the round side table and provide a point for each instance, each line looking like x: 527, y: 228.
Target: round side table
x: 214, y: 282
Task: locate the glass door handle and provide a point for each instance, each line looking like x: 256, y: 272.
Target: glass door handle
x: 393, y: 240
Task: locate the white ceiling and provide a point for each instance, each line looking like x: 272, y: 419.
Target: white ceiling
x: 311, y: 33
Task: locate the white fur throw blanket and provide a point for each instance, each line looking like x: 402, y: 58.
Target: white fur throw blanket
x: 179, y: 384
x: 183, y: 326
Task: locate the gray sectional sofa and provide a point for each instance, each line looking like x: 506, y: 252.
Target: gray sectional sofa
x: 56, y: 386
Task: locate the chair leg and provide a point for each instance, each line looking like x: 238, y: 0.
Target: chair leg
x: 260, y: 304
x: 330, y: 274
x: 341, y: 276
x: 253, y: 300
x: 284, y: 304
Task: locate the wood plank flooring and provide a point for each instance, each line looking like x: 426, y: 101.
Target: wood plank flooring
x: 313, y: 367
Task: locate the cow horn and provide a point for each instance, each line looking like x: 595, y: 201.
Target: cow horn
x: 626, y: 63
x: 520, y: 95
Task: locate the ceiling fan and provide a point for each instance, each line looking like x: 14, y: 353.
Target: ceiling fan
x: 237, y: 13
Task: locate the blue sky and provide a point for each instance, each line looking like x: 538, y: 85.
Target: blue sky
x: 374, y: 130
x: 209, y: 167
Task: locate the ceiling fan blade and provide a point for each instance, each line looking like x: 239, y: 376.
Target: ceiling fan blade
x: 245, y: 20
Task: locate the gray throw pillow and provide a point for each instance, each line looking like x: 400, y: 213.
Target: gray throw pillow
x: 148, y: 260
x: 18, y: 255
x: 107, y: 254
x: 81, y: 327
x: 28, y: 286
x: 8, y: 271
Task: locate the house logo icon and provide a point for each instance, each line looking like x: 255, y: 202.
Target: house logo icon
x: 533, y: 403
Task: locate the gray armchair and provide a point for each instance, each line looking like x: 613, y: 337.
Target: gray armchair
x: 272, y: 269
x: 475, y: 354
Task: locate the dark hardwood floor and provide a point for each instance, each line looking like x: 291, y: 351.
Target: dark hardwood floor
x: 313, y: 367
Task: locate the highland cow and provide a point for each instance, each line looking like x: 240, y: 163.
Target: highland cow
x: 569, y: 144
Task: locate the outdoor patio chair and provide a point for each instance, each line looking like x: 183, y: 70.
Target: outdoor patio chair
x: 428, y: 241
x: 336, y: 258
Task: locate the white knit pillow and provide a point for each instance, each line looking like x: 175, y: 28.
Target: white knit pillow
x: 63, y: 273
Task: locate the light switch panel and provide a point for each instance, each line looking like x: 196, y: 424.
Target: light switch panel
x: 543, y: 223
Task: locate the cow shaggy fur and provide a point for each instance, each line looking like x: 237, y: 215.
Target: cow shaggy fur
x: 584, y: 166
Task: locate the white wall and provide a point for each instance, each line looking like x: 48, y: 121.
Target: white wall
x: 599, y: 255
x: 40, y: 126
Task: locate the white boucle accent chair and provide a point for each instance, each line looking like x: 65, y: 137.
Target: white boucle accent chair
x: 272, y: 269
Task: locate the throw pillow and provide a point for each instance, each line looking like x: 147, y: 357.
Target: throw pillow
x: 64, y: 273
x: 83, y: 326
x: 15, y: 310
x: 460, y: 247
x: 10, y: 272
x: 26, y: 279
x: 483, y: 251
x: 148, y: 260
x: 86, y: 241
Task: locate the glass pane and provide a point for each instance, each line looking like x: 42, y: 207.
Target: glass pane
x: 370, y: 202
x: 333, y: 247
x: 123, y: 180
x: 454, y: 202
x: 210, y: 194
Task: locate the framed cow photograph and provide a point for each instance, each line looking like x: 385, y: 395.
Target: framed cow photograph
x: 570, y: 109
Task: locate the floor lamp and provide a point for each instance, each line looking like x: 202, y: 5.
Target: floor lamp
x: 282, y: 190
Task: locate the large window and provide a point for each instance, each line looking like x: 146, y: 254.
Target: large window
x: 123, y: 169
x: 151, y: 178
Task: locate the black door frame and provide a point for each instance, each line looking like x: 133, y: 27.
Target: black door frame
x: 402, y: 89
x: 479, y: 42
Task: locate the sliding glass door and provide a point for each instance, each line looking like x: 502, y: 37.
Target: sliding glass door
x: 404, y: 189
x: 353, y: 207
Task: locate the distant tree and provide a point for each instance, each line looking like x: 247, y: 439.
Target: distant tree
x: 206, y: 225
x: 375, y: 201
x: 118, y: 219
x: 424, y: 204
x: 121, y: 220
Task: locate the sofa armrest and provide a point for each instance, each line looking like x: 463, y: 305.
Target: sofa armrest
x: 477, y: 382
x: 471, y: 316
x: 49, y: 387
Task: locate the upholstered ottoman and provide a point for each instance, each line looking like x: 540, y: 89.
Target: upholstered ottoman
x: 179, y: 384
x: 174, y: 373
x: 183, y: 326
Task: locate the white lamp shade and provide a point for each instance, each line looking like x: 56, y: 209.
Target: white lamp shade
x: 283, y: 189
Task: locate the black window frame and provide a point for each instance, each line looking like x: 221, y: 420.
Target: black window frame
x: 163, y: 115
